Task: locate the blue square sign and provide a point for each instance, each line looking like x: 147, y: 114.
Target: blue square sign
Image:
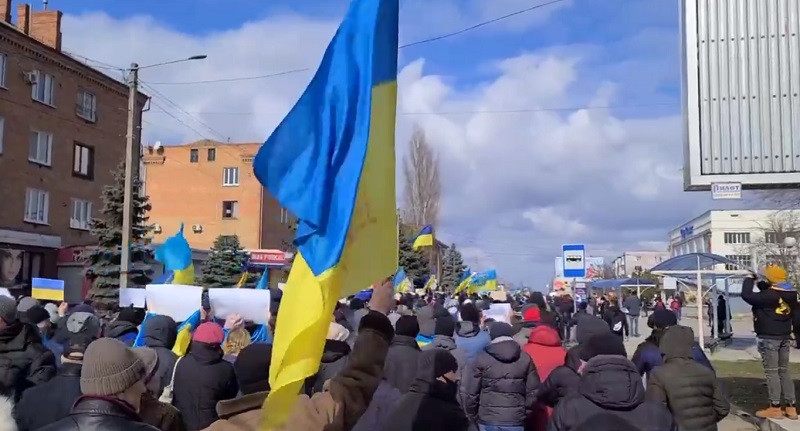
x: 574, y: 260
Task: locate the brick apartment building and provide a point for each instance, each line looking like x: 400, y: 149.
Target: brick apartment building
x: 210, y: 187
x: 62, y: 132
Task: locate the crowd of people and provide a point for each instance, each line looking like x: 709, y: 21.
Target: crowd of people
x: 390, y: 363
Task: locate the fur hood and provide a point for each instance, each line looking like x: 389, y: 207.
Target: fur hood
x: 7, y: 422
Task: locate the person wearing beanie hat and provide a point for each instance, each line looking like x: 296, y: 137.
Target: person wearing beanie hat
x: 125, y: 327
x: 52, y: 401
x: 689, y: 390
x: 500, y: 385
x: 431, y: 402
x: 112, y: 383
x: 159, y: 333
x: 443, y: 339
x: 401, y: 361
x: 24, y: 360
x: 154, y: 412
x: 470, y: 338
x: 26, y: 303
x: 774, y: 314
x: 203, y: 378
x: 609, y: 384
x: 427, y: 325
x: 334, y: 358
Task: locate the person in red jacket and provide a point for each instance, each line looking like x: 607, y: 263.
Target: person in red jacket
x: 544, y: 347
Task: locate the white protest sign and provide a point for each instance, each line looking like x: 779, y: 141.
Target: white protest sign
x: 135, y: 297
x: 251, y: 304
x: 498, y: 312
x: 173, y: 300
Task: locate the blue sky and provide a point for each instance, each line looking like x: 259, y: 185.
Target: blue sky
x: 515, y: 185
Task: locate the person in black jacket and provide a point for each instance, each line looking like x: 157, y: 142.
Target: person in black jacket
x: 499, y: 387
x: 431, y: 401
x: 203, y: 378
x: 159, y: 333
x: 112, y: 384
x: 24, y: 361
x: 400, y: 367
x: 775, y: 317
x: 609, y: 384
x: 53, y: 400
x: 562, y: 381
x: 126, y: 326
x: 616, y: 319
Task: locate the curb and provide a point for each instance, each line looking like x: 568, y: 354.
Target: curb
x: 762, y: 424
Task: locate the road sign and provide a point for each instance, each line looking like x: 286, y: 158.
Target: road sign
x: 574, y: 258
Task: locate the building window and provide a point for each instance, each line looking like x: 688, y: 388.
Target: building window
x: 230, y: 209
x: 83, y: 161
x: 212, y: 154
x: 3, y: 62
x: 81, y: 214
x: 40, y: 147
x: 37, y: 203
x: 87, y: 106
x: 230, y: 177
x: 43, y: 87
x: 193, y: 156
x: 742, y: 259
x: 737, y: 238
x: 2, y: 132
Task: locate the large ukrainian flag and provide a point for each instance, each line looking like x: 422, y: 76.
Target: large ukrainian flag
x: 176, y: 255
x: 331, y: 163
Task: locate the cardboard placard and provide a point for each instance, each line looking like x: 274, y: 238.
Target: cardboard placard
x: 498, y: 312
x: 173, y: 300
x: 135, y: 297
x: 251, y: 304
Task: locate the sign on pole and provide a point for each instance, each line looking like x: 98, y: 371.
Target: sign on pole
x: 574, y: 258
x: 726, y: 191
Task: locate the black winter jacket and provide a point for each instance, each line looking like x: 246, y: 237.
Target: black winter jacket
x: 617, y: 320
x: 159, y: 333
x: 429, y: 405
x: 24, y: 361
x: 400, y: 367
x: 499, y: 387
x: 587, y: 325
x: 611, y: 384
x: 51, y: 401
x: 334, y: 358
x: 202, y: 379
x: 562, y: 381
x: 100, y: 414
x: 689, y: 390
x: 122, y: 331
x: 770, y: 319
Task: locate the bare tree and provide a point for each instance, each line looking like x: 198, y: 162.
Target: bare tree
x: 769, y: 247
x: 422, y: 187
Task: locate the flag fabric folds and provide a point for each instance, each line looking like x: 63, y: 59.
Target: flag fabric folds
x: 485, y: 281
x: 176, y: 255
x: 431, y: 284
x: 185, y: 333
x: 425, y: 238
x: 263, y: 282
x: 401, y: 282
x: 331, y: 163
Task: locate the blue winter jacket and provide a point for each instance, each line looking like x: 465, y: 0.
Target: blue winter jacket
x: 470, y: 340
x: 649, y: 356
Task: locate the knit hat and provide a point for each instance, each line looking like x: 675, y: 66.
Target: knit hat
x: 109, y: 368
x: 83, y: 323
x: 662, y: 318
x: 427, y: 324
x: 36, y: 315
x: 252, y: 368
x: 209, y: 333
x: 532, y: 314
x: 470, y: 313
x: 8, y: 309
x: 25, y: 304
x: 443, y: 363
x: 337, y: 332
x: 407, y: 325
x: 500, y: 329
x: 53, y: 310
x: 445, y: 325
x: 603, y: 344
x: 149, y: 359
x: 775, y: 274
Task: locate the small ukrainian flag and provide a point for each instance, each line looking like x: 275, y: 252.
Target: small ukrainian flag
x: 425, y: 238
x: 47, y: 289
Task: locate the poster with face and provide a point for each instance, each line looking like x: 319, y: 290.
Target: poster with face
x: 11, y: 267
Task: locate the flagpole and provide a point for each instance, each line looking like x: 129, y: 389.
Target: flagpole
x: 438, y: 264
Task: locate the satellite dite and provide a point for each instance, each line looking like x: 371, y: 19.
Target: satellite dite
x: 741, y: 93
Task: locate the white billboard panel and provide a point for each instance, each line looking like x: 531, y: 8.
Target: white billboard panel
x: 741, y: 92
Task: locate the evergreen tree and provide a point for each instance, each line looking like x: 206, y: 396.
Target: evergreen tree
x: 415, y: 262
x: 452, y: 269
x: 225, y: 264
x: 104, y: 260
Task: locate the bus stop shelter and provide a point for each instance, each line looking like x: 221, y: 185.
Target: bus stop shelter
x: 619, y: 283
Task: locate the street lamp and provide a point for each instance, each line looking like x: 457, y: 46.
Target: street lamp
x: 131, y: 160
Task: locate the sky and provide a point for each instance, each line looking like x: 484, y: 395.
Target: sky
x: 517, y: 110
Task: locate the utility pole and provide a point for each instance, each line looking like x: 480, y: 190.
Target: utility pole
x: 131, y: 170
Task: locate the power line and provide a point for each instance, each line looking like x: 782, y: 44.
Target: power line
x: 481, y: 24
x: 179, y: 108
x: 201, y: 135
x: 244, y: 78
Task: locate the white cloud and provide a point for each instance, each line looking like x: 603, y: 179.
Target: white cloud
x: 549, y: 219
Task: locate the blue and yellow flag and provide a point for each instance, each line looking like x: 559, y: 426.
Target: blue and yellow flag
x: 176, y: 255
x: 185, y: 330
x: 263, y: 282
x: 485, y: 281
x: 465, y: 283
x: 431, y: 284
x: 425, y: 238
x: 401, y: 282
x: 331, y: 163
